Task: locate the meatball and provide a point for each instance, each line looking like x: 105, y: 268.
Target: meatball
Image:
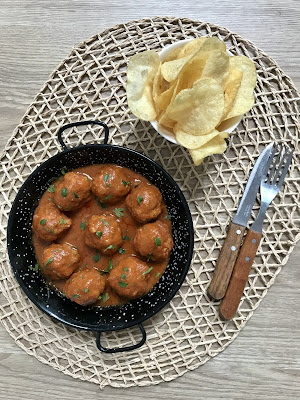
x: 144, y: 203
x: 130, y: 278
x: 103, y: 232
x: 48, y: 222
x: 111, y: 185
x: 72, y: 191
x: 85, y: 286
x: 153, y: 241
x: 60, y: 260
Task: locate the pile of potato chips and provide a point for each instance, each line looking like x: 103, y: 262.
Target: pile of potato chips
x: 197, y: 87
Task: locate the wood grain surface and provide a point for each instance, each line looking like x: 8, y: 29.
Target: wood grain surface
x: 263, y: 362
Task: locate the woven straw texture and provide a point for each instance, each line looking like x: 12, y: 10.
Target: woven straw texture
x: 89, y: 84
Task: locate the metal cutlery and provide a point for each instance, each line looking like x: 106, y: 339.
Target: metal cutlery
x: 275, y: 172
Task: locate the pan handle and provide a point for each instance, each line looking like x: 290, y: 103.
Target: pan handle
x: 120, y: 349
x: 67, y: 126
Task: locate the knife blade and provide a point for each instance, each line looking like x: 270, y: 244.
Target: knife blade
x: 230, y: 248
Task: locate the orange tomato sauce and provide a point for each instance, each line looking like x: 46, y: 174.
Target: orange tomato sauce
x: 92, y: 258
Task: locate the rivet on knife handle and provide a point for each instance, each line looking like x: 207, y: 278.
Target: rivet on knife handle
x: 226, y: 260
x: 240, y: 274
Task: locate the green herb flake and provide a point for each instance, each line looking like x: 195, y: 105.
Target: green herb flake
x: 97, y: 257
x: 157, y: 274
x: 139, y: 200
x: 103, y: 205
x: 82, y: 276
x: 157, y: 241
x: 125, y: 269
x: 110, y: 247
x: 135, y: 186
x: 123, y: 276
x: 168, y: 217
x: 76, y: 296
x: 64, y: 192
x: 86, y: 290
x: 43, y: 221
x: 106, y: 178
x: 99, y: 234
x: 75, y: 195
x: 125, y: 183
x: 63, y: 170
x: 104, y: 222
x: 82, y: 225
x: 105, y: 297
x: 126, y: 237
x: 52, y: 231
x: 51, y: 189
x: 119, y: 212
x: 123, y: 284
x: 149, y: 255
x: 58, y: 206
x: 51, y: 200
x: 99, y: 297
x: 121, y: 251
x: 110, y: 265
x: 62, y: 221
x: 107, y: 197
x: 147, y: 272
x: 35, y: 268
x: 49, y: 261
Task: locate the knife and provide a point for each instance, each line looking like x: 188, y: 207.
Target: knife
x: 230, y: 249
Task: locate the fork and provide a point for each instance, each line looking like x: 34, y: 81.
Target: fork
x: 276, y: 168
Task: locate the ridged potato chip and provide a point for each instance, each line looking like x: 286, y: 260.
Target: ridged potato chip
x: 215, y: 146
x: 217, y: 67
x: 192, y: 141
x: 171, y: 69
x: 244, y: 100
x: 198, y: 110
x: 159, y: 85
x: 232, y: 86
x: 191, y: 47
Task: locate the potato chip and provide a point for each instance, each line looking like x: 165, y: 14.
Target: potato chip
x: 217, y: 67
x: 191, y: 47
x: 215, y: 146
x: 173, y: 55
x: 171, y: 69
x: 244, y: 99
x: 192, y: 141
x: 165, y: 121
x: 231, y: 88
x: 141, y: 71
x: 190, y: 73
x: 165, y: 98
x: 198, y: 110
x: 211, y: 44
x: 159, y: 85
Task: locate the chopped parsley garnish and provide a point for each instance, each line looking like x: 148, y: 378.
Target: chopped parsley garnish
x: 123, y: 276
x: 97, y: 257
x: 51, y: 200
x: 106, y: 178
x: 52, y: 231
x: 105, y: 222
x: 147, y: 272
x: 82, y: 225
x: 125, y: 269
x: 157, y: 274
x: 76, y: 296
x: 103, y: 205
x: 149, y: 255
x: 62, y: 221
x: 43, y: 221
x: 135, y: 186
x: 105, y: 297
x: 75, y: 195
x: 110, y: 247
x: 139, y: 200
x: 58, y: 206
x: 64, y: 192
x: 63, y: 170
x: 121, y: 251
x: 125, y: 183
x: 109, y: 267
x: 51, y: 189
x: 107, y: 197
x: 123, y: 284
x: 157, y: 241
x: 86, y: 290
x: 168, y: 216
x: 35, y: 268
x: 126, y: 237
x: 49, y: 262
x: 119, y: 212
x: 99, y: 234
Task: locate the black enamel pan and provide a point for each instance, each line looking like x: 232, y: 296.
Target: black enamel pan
x: 21, y: 252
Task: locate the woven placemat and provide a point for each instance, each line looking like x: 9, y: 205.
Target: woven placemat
x: 89, y: 84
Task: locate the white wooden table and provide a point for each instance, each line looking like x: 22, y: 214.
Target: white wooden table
x: 35, y: 35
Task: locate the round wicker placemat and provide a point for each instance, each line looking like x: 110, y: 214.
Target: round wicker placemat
x: 89, y: 84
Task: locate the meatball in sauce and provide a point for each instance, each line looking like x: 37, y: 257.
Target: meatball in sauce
x: 83, y: 243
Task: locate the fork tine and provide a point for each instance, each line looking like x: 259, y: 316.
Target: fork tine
x: 274, y: 166
x: 271, y: 156
x: 279, y: 169
x: 284, y: 172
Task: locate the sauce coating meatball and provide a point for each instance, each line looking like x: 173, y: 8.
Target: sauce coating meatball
x: 103, y: 232
x: 144, y: 203
x: 60, y: 260
x: 130, y: 278
x: 85, y: 286
x: 153, y: 241
x: 48, y: 222
x: 111, y: 185
x: 72, y: 191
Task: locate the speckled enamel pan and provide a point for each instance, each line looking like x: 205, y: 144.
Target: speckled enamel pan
x: 21, y: 251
